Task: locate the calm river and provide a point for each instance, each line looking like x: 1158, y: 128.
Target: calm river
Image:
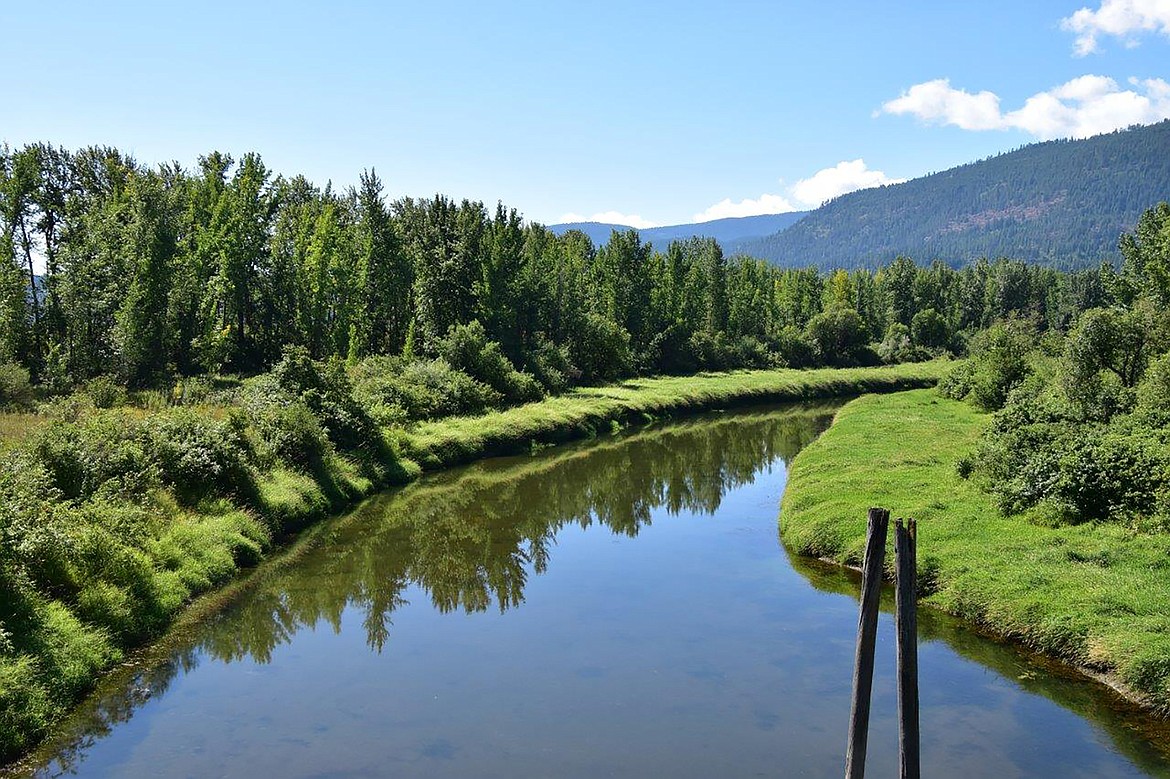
x: 616, y: 608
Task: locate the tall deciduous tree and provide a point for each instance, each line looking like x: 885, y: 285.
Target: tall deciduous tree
x: 144, y: 335
x: 383, y: 307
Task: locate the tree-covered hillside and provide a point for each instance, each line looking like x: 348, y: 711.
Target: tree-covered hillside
x: 1061, y: 203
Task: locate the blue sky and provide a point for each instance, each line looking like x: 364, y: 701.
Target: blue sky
x: 639, y: 112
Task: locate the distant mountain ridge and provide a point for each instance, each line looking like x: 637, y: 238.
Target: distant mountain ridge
x: 1062, y: 203
x: 729, y: 232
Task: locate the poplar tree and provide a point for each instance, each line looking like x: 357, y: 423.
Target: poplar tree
x: 144, y: 334
x: 382, y: 304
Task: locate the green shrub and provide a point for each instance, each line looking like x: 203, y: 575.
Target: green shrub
x: 601, y: 349
x: 467, y: 348
x: 327, y: 391
x: 1115, y: 475
x: 929, y: 330
x: 838, y: 336
x: 1153, y: 394
x: 15, y: 389
x: 197, y: 455
x: 31, y: 531
x: 1018, y: 458
x: 897, y: 346
x: 422, y: 389
x: 751, y: 352
x: 102, y: 453
x: 957, y: 382
x: 26, y: 703
x: 293, y: 433
x: 549, y: 364
x: 712, y: 351
x: 105, y: 392
x: 671, y: 351
x: 1039, y: 451
x: 999, y: 357
x: 794, y: 349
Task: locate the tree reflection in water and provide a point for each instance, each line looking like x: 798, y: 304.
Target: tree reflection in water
x: 470, y: 539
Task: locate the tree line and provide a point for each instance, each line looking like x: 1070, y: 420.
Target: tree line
x: 147, y: 274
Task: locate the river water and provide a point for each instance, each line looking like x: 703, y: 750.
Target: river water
x: 621, y: 607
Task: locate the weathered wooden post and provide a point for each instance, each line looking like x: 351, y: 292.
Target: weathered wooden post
x: 906, y: 619
x: 871, y: 591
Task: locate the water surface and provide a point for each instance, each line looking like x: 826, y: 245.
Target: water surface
x: 616, y: 608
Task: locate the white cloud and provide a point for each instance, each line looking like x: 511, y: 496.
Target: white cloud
x: 936, y: 99
x: 1088, y: 105
x: 810, y: 192
x: 610, y: 217
x: 1124, y: 19
x: 764, y: 204
x: 844, y: 177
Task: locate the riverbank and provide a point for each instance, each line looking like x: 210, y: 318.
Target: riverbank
x: 126, y: 571
x: 1090, y: 595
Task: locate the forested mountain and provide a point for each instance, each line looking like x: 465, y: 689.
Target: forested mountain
x: 1060, y: 203
x: 727, y: 231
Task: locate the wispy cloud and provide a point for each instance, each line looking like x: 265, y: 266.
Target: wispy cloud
x: 1125, y: 19
x: 609, y: 217
x: 1088, y: 105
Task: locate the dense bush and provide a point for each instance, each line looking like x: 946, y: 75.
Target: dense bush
x: 1117, y: 474
x: 197, y: 455
x: 929, y: 330
x: 838, y: 336
x: 1019, y: 457
x: 467, y: 348
x: 1153, y: 393
x: 105, y: 392
x: 1106, y: 356
x: 897, y: 346
x: 794, y: 349
x: 326, y: 390
x: 291, y: 433
x: 420, y: 389
x: 550, y: 365
x: 712, y: 351
x: 999, y: 362
x: 672, y: 351
x: 15, y: 389
x: 99, y: 454
x: 601, y: 350
x: 1044, y: 453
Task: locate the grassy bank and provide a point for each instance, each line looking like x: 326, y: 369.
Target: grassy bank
x: 1093, y: 595
x: 113, y: 519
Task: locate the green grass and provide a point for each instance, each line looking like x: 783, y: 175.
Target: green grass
x: 1094, y: 595
x: 149, y: 561
x: 589, y: 411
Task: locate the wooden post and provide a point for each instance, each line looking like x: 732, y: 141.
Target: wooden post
x: 871, y: 590
x: 906, y: 550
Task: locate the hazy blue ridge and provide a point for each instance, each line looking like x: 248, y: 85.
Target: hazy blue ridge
x: 729, y: 232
